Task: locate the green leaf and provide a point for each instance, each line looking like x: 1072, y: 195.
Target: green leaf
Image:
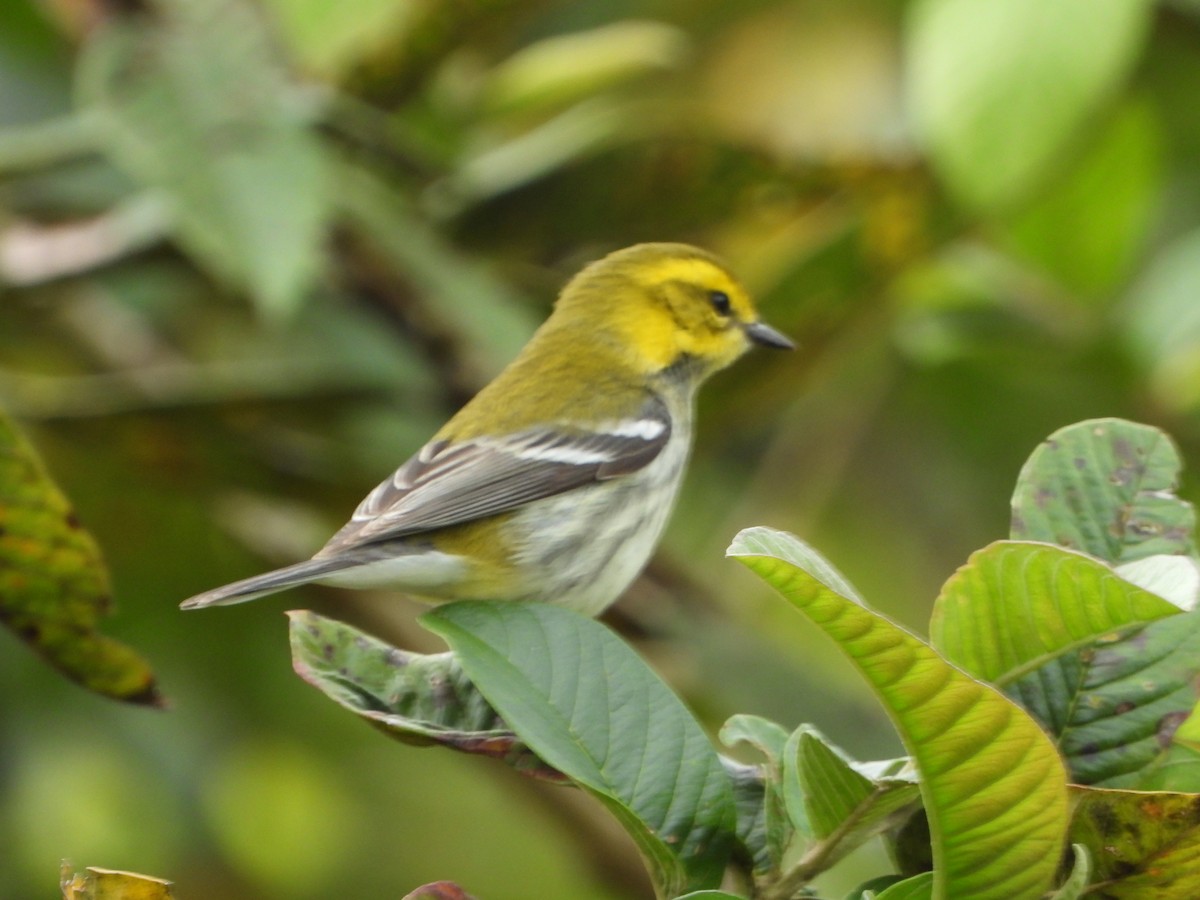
x: 1081, y: 875
x: 794, y: 790
x: 416, y: 699
x: 1000, y: 90
x: 193, y: 101
x: 777, y: 828
x: 1114, y: 707
x: 556, y: 71
x: 993, y: 785
x: 757, y: 843
x: 586, y: 704
x: 911, y: 846
x: 768, y: 737
x: 1087, y: 228
x: 109, y: 884
x: 571, y: 136
x: 333, y: 37
x: 841, y: 803
x: 1105, y: 487
x: 1015, y: 606
x: 919, y: 887
x: 54, y: 586
x: 1142, y: 844
x: 834, y: 806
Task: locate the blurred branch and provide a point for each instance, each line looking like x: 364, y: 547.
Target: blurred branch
x: 169, y: 385
x: 382, y: 134
x: 469, y: 321
x: 117, y: 335
x: 579, y: 131
x: 48, y: 143
x: 31, y: 254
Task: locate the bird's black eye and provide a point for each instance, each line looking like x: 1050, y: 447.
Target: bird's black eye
x: 720, y: 302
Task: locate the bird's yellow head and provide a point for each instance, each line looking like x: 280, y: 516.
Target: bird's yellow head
x: 670, y: 305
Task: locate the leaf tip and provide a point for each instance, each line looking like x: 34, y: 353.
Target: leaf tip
x: 149, y: 696
x: 749, y: 542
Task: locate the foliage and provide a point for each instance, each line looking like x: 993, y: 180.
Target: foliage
x: 992, y: 783
x: 253, y: 252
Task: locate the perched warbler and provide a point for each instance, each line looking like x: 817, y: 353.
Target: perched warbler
x: 555, y: 481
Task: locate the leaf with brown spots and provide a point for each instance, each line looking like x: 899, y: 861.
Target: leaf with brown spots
x: 54, y: 587
x: 1143, y: 844
x: 1105, y: 487
x: 110, y: 884
x: 418, y: 699
x: 1115, y: 708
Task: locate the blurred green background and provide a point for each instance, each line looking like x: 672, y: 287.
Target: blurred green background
x: 252, y: 255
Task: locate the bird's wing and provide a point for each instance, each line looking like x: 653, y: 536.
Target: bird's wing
x: 450, y: 483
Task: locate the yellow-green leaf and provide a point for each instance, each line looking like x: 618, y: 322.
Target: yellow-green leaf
x: 1017, y: 605
x: 53, y: 583
x: 109, y: 884
x: 993, y: 785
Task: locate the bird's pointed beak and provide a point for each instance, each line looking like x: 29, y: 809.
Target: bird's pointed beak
x: 764, y: 334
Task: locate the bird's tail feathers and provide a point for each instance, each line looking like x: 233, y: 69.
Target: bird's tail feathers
x: 267, y: 583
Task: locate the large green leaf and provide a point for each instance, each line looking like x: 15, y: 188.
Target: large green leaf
x: 1143, y: 845
x: 194, y: 102
x: 587, y: 705
x: 1015, y: 606
x: 54, y: 586
x: 993, y: 784
x: 1000, y: 90
x: 1114, y: 707
x: 416, y: 699
x: 1104, y: 487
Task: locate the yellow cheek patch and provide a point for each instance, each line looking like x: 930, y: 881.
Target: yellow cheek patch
x: 656, y: 338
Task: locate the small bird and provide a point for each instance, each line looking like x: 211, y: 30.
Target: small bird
x: 555, y: 481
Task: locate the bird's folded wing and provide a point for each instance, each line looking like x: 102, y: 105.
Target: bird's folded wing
x: 450, y: 483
